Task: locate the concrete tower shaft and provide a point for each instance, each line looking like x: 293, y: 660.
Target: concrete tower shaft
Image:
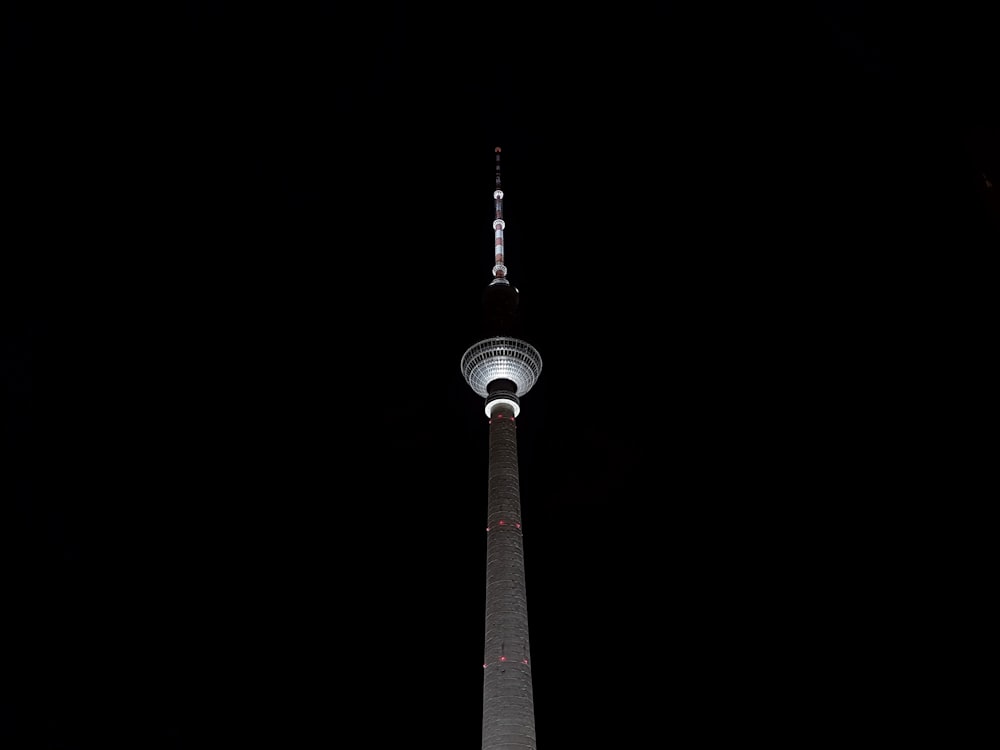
x: 508, y: 704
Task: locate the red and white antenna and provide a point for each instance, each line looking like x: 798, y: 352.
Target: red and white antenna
x: 499, y: 270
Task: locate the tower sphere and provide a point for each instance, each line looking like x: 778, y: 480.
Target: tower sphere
x: 501, y: 358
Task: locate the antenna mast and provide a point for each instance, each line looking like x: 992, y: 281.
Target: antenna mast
x: 499, y: 270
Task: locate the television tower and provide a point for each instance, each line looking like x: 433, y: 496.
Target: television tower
x: 502, y: 368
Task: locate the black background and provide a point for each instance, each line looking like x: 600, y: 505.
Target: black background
x: 246, y: 482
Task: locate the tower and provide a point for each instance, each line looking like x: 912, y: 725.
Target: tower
x: 502, y: 368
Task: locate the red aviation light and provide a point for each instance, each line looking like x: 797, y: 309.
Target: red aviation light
x: 517, y: 525
x: 502, y: 659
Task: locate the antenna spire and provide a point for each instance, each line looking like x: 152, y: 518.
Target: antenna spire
x: 499, y: 270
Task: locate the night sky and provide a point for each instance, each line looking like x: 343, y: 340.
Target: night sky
x: 245, y: 483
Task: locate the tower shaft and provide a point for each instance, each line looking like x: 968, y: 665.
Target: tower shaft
x: 508, y: 704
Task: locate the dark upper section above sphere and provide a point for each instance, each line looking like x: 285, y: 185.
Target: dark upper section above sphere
x: 500, y: 317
